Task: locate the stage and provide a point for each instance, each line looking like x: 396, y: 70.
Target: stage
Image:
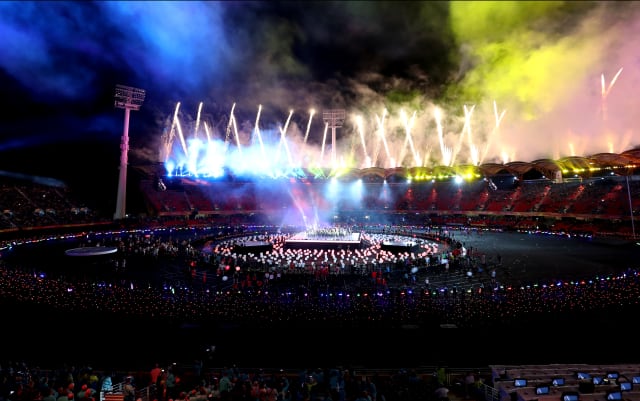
x: 91, y: 251
x: 399, y: 246
x: 254, y: 247
x: 324, y: 239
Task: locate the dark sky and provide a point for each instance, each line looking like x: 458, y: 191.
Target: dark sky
x: 539, y: 65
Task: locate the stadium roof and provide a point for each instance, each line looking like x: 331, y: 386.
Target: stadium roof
x: 585, y: 166
x: 625, y: 163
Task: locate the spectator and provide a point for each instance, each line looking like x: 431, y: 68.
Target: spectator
x: 468, y: 383
x: 155, y: 373
x: 128, y: 390
x: 441, y: 393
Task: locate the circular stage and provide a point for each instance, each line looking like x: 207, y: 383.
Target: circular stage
x: 399, y: 246
x: 91, y: 251
x: 255, y: 247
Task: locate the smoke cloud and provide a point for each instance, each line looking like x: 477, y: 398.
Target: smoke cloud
x: 539, y: 64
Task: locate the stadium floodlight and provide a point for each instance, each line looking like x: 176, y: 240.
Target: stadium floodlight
x: 126, y: 98
x: 334, y: 119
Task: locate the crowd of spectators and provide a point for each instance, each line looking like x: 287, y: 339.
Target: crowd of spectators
x: 278, y: 290
x: 25, y: 205
x: 22, y: 382
x: 484, y: 307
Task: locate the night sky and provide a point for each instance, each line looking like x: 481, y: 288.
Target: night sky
x: 539, y: 66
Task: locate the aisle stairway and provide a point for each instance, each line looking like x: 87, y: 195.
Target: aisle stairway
x: 111, y: 396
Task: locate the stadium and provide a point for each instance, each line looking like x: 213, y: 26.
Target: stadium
x: 411, y: 201
x: 375, y: 267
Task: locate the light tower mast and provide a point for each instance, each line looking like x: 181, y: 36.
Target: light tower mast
x: 333, y: 119
x: 126, y: 98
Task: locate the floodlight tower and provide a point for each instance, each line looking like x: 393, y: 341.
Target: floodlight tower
x: 333, y: 119
x: 127, y: 98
